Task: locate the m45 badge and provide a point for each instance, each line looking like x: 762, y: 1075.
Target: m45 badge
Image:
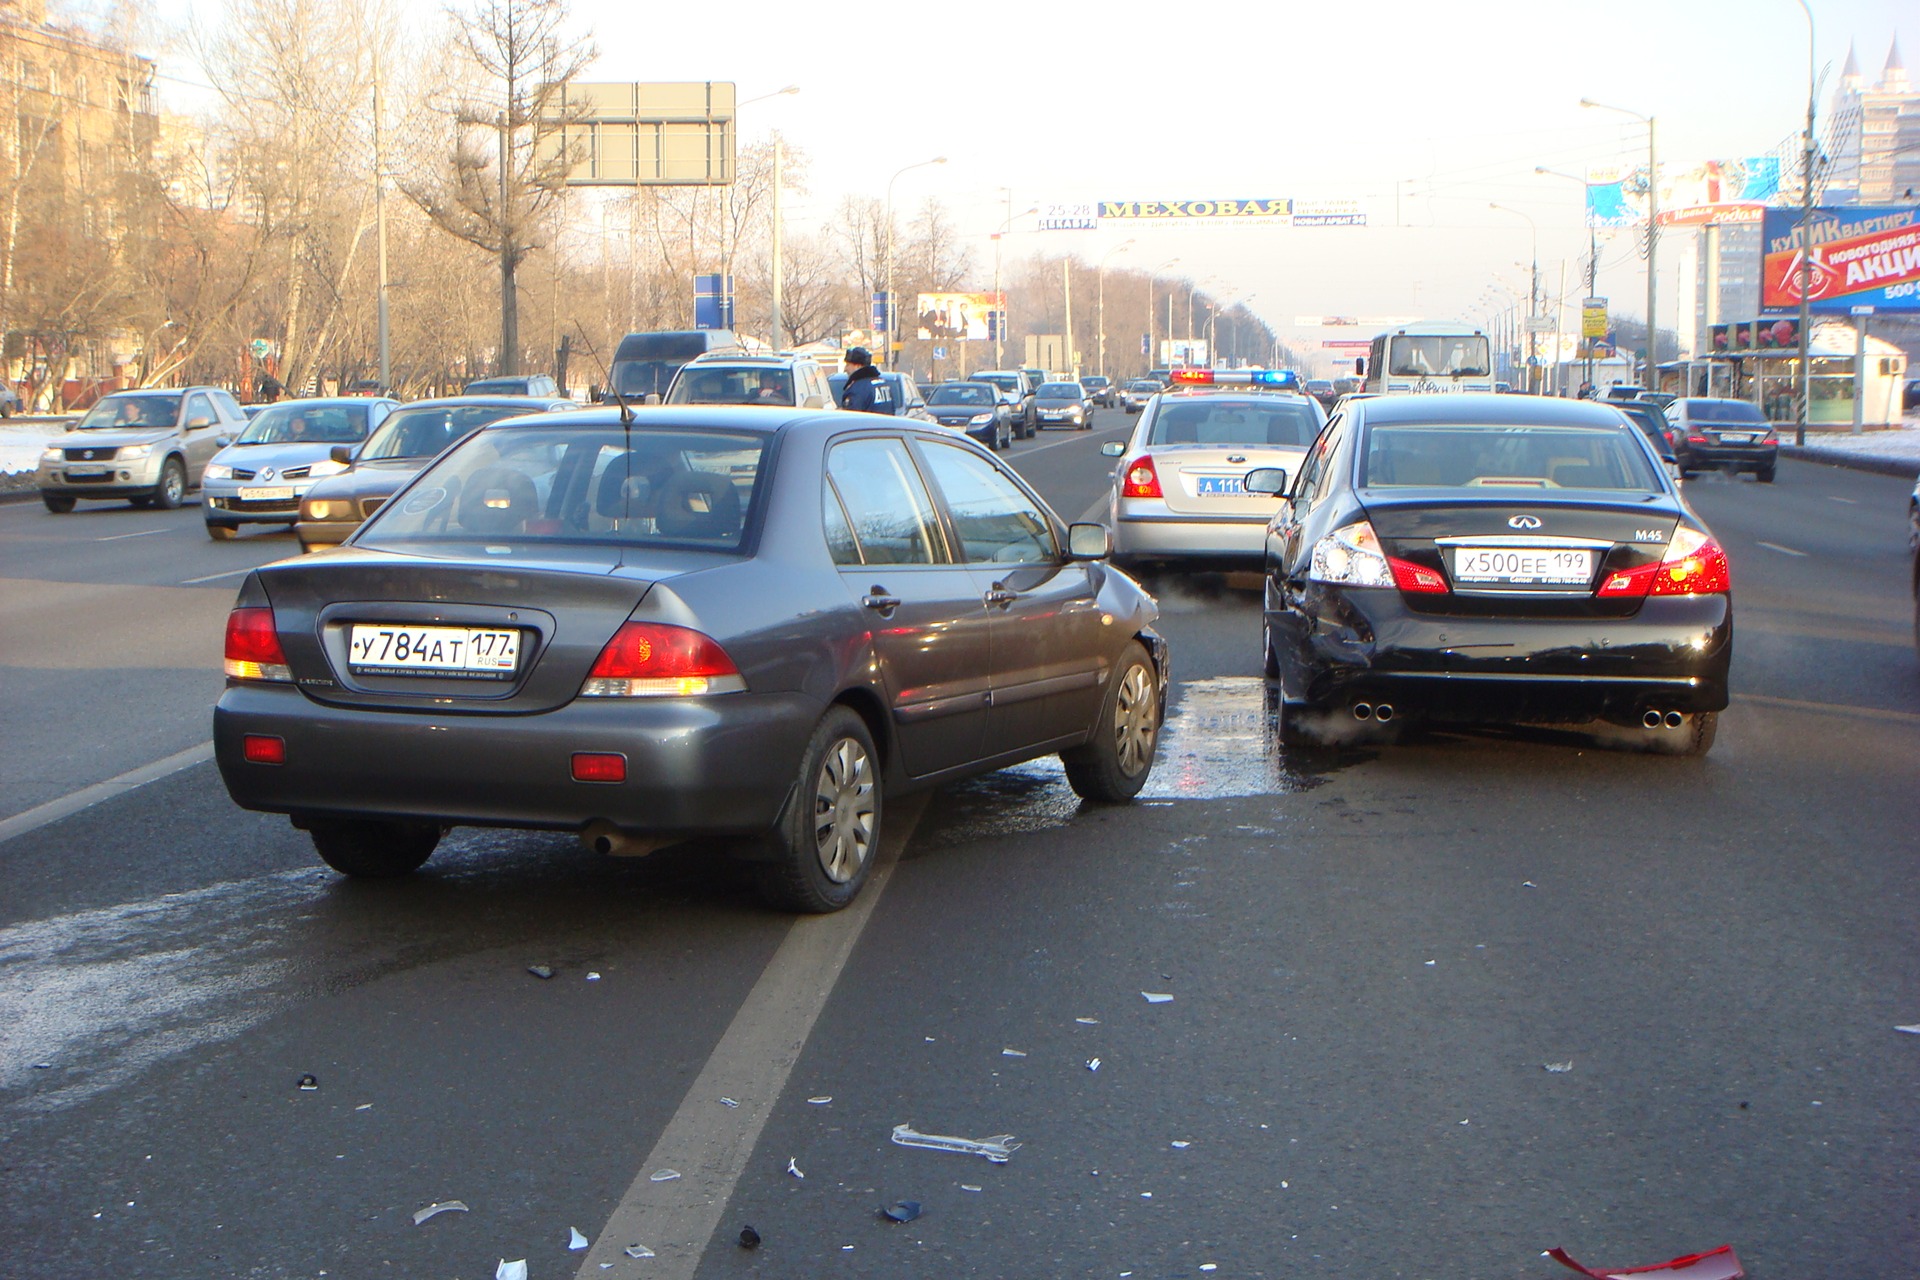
x: 1649, y: 535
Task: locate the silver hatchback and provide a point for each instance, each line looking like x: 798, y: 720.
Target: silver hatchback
x: 261, y: 477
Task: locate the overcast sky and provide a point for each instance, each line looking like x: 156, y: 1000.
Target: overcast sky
x: 1452, y: 103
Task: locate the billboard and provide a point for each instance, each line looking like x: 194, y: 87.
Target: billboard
x: 1170, y: 210
x: 959, y: 317
x: 1712, y: 191
x: 1593, y: 318
x: 1069, y: 217
x: 1864, y: 257
x: 1329, y: 213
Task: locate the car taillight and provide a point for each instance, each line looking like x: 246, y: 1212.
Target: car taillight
x: 1416, y: 578
x: 1698, y: 440
x: 253, y: 647
x: 599, y: 766
x: 1694, y: 565
x: 1141, y: 480
x: 1352, y: 555
x: 659, y: 660
x: 263, y: 748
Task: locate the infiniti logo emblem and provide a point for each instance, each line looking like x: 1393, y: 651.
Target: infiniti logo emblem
x: 1523, y: 522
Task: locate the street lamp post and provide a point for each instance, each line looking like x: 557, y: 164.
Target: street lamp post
x: 1151, y: 277
x: 1533, y: 298
x: 1101, y: 307
x: 893, y: 304
x: 1653, y: 227
x: 999, y: 299
x: 1806, y: 255
x: 777, y: 284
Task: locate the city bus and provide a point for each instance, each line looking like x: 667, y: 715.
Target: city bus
x: 1429, y: 357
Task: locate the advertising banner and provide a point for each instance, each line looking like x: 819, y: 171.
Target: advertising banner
x: 1712, y: 191
x: 1069, y: 217
x: 1345, y: 344
x: 1593, y: 318
x: 958, y: 316
x: 1174, y: 210
x: 1864, y: 257
x: 713, y: 302
x: 1329, y: 213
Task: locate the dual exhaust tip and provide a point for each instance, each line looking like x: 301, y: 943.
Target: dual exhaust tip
x: 1378, y: 712
x: 1659, y: 719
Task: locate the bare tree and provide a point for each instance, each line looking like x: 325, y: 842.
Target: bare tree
x: 494, y: 192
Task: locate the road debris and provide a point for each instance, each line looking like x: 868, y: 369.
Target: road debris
x: 1013, y: 1053
x: 997, y: 1148
x: 575, y: 1241
x: 511, y: 1270
x: 1209, y: 1266
x: 593, y: 977
x: 365, y: 1106
x: 749, y: 1238
x: 794, y: 1169
x: 540, y: 971
x: 1178, y: 1145
x: 1558, y: 1068
x: 663, y: 1175
x: 439, y: 1207
x: 902, y: 1211
x: 1431, y: 963
x: 1088, y: 1022
x: 638, y: 1251
x: 1093, y: 1064
x: 308, y: 1083
x: 1715, y: 1264
x: 729, y: 1102
x: 1913, y: 1030
x: 1528, y: 884
x: 1156, y: 997
x: 968, y: 1186
x: 820, y: 1101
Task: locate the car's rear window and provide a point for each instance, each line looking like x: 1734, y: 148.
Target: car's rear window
x: 599, y: 484
x: 975, y: 395
x: 1215, y: 420
x: 1060, y: 391
x: 1455, y: 456
x: 1723, y: 411
x: 735, y: 385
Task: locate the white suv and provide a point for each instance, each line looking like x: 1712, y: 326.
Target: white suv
x: 793, y: 382
x: 145, y: 447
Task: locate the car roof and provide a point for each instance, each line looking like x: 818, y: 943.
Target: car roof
x: 515, y: 401
x: 1484, y: 409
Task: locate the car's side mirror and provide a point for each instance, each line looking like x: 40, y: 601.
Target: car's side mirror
x: 1089, y: 541
x: 198, y: 423
x: 223, y: 441
x: 341, y: 453
x: 1270, y: 481
x: 1114, y: 448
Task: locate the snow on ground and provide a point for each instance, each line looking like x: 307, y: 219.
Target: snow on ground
x: 22, y: 440
x: 1900, y: 444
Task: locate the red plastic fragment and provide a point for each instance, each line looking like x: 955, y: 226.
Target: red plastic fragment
x: 1715, y: 1264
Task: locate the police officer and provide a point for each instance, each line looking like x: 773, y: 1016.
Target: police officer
x: 863, y: 390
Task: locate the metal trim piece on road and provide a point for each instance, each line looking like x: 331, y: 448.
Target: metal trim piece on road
x: 708, y: 1143
x: 54, y: 810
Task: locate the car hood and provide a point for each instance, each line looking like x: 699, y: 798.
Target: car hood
x: 258, y: 457
x: 369, y: 479
x: 107, y: 438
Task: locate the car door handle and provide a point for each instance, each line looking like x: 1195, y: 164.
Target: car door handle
x: 878, y: 600
x: 1001, y: 596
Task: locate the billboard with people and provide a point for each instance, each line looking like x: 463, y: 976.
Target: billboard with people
x: 957, y: 317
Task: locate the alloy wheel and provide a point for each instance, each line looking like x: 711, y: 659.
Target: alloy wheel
x: 843, y: 810
x: 1135, y: 720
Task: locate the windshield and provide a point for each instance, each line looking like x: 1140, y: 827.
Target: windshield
x: 425, y: 430
x: 961, y: 395
x: 1723, y: 411
x: 586, y: 484
x: 1439, y: 356
x: 1217, y: 421
x: 1143, y: 384
x: 1060, y: 391
x: 732, y: 386
x: 498, y: 387
x: 313, y: 424
x: 1093, y: 382
x: 131, y: 411
x: 1489, y: 457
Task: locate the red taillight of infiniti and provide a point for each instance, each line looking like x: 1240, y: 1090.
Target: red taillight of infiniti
x: 263, y: 748
x: 599, y: 766
x: 253, y: 647
x: 1416, y: 579
x: 1141, y: 480
x: 1694, y: 565
x: 659, y: 660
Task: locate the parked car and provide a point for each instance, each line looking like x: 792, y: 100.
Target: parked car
x: 790, y: 382
x: 897, y: 394
x: 411, y: 437
x: 1018, y: 393
x: 975, y: 408
x: 1063, y: 404
x: 1101, y: 390
x: 528, y: 384
x: 699, y: 623
x: 146, y: 447
x: 261, y: 477
x: 1732, y: 435
x: 1138, y: 392
x: 1178, y: 497
x: 1473, y: 558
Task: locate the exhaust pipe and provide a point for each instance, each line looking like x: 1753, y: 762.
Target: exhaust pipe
x: 1675, y: 719
x: 602, y: 837
x: 1363, y: 711
x: 1383, y: 712
x: 1652, y: 720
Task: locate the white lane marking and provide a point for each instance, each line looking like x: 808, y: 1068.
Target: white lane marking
x: 711, y: 1144
x: 1785, y: 551
x: 215, y: 577
x: 54, y: 810
x: 1849, y: 501
x: 144, y: 533
x: 1830, y: 708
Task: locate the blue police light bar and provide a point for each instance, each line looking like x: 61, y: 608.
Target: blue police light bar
x: 1286, y: 378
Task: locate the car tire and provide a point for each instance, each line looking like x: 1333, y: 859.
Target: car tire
x: 1114, y: 764
x: 1764, y: 475
x: 826, y: 840
x: 58, y: 503
x: 171, y: 491
x: 222, y: 532
x: 374, y: 850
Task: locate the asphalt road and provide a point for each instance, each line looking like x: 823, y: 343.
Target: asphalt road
x: 1371, y: 958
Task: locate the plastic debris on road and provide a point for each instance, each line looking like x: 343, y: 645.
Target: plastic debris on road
x: 365, y: 1106
x: 996, y: 1148
x: 1181, y: 1146
x: 1013, y: 1053
x: 749, y: 1238
x: 968, y: 1186
x: 1156, y: 997
x: 593, y: 977
x: 439, y: 1207
x: 820, y: 1101
x: 1558, y: 1068
x: 575, y: 1241
x: 1913, y: 1030
x: 663, y: 1175
x: 794, y: 1169
x: 637, y: 1251
x: 308, y: 1083
x: 540, y: 971
x: 729, y: 1102
x: 1088, y: 1022
x: 1209, y: 1266
x: 511, y: 1270
x: 902, y: 1211
x: 1715, y: 1264
x: 1093, y: 1064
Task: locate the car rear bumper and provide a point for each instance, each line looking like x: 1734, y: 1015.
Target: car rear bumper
x: 1159, y: 534
x: 709, y: 765
x: 1736, y: 457
x: 1368, y: 645
x: 323, y: 533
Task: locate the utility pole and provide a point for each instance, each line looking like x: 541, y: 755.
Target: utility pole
x: 1066, y: 285
x: 380, y: 228
x: 509, y: 362
x: 779, y: 151
x: 1804, y: 395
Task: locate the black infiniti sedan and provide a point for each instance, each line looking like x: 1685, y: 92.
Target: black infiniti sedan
x: 1492, y: 558
x: 742, y: 622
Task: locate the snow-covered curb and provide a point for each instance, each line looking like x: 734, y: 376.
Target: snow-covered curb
x: 1893, y: 453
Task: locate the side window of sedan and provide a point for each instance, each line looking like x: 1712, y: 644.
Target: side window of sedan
x: 996, y: 522
x: 1333, y: 457
x: 1315, y: 464
x: 886, y: 500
